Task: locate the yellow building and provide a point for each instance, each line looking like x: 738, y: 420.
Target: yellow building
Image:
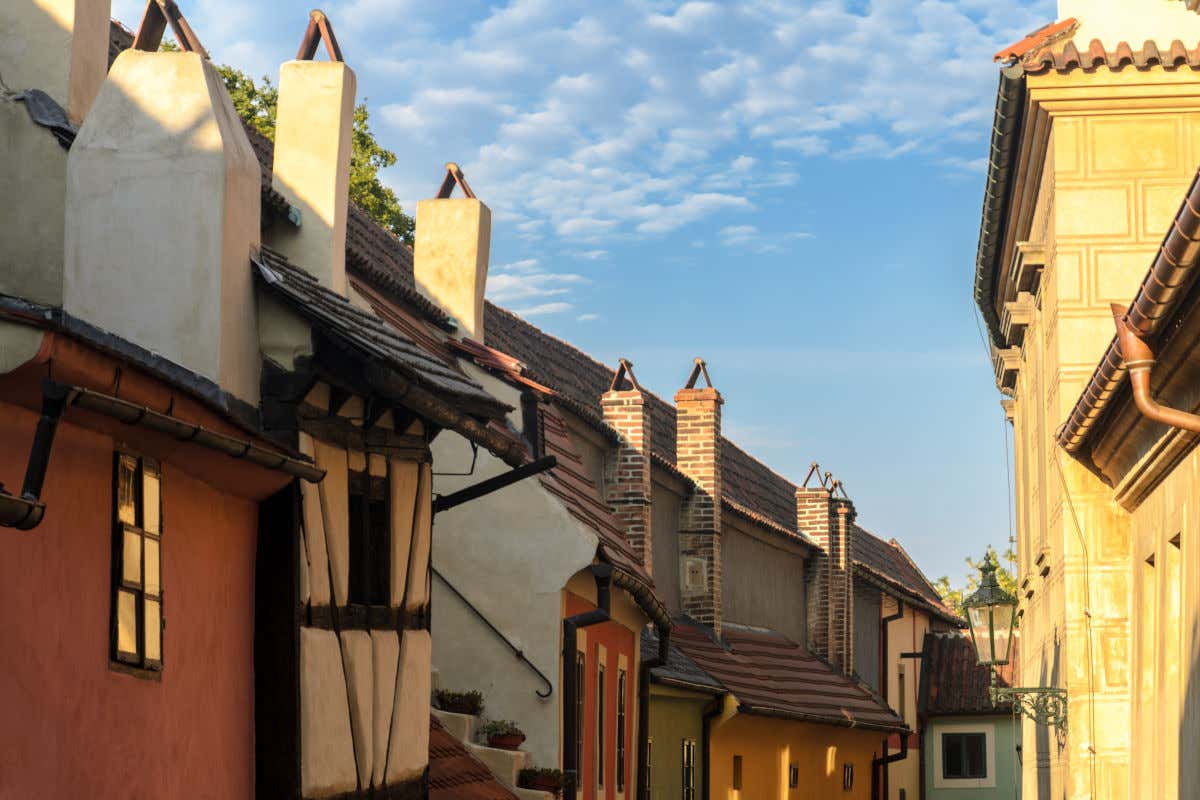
x: 1094, y: 144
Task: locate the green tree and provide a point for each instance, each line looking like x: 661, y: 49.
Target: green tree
x: 953, y: 597
x: 256, y: 105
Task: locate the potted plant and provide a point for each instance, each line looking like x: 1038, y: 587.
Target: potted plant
x: 503, y: 733
x: 543, y: 779
x: 470, y: 702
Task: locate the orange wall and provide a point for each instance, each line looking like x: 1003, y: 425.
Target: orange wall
x: 72, y: 727
x: 769, y: 746
x: 616, y: 640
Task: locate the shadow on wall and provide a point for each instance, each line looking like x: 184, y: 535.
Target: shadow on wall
x: 1189, y: 719
x: 1046, y: 741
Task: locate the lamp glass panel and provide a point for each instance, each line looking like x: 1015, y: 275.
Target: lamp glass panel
x: 152, y: 565
x: 131, y: 556
x: 153, y: 630
x: 1002, y: 618
x: 150, y: 499
x: 126, y: 622
x: 127, y: 490
x: 979, y: 617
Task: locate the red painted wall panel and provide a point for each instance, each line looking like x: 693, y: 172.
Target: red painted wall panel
x: 617, y: 640
x: 69, y: 725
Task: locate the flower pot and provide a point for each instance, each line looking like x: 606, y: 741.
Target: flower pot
x: 506, y: 741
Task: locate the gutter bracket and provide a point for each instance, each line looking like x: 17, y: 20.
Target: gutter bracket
x: 445, y: 502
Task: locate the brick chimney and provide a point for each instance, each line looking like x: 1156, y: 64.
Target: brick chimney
x: 829, y: 521
x: 162, y: 215
x: 450, y: 260
x: 698, y: 455
x: 59, y: 48
x: 627, y: 481
x: 314, y: 129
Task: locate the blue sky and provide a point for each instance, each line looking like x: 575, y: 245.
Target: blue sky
x: 789, y: 189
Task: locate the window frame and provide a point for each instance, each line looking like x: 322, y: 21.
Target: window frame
x: 142, y: 471
x: 601, y: 674
x: 687, y: 769
x: 622, y: 687
x: 938, y: 730
x: 964, y: 741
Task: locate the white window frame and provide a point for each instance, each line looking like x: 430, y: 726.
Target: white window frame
x: 988, y: 730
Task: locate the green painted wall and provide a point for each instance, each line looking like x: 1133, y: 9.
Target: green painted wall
x: 675, y: 715
x: 1004, y: 768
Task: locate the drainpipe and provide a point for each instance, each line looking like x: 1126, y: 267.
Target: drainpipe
x: 664, y: 647
x: 570, y: 692
x: 884, y: 678
x: 882, y: 763
x: 25, y: 512
x: 1139, y: 361
x: 711, y: 712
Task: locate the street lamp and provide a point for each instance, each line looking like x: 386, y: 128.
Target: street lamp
x: 991, y: 614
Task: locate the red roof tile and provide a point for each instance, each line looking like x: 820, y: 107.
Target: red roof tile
x: 770, y: 674
x: 1042, y: 37
x: 455, y: 774
x: 1069, y: 57
x: 953, y: 682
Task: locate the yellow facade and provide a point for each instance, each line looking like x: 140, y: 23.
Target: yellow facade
x: 1105, y: 158
x: 767, y: 749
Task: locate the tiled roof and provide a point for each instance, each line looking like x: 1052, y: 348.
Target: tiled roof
x: 953, y: 682
x: 770, y: 674
x: 889, y: 562
x: 455, y: 774
x: 1070, y: 57
x: 1040, y: 38
x: 680, y: 670
x: 368, y: 332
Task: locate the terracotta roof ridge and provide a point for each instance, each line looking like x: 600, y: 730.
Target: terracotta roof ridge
x: 1042, y: 37
x: 1046, y: 57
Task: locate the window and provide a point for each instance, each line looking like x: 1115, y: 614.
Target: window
x: 847, y: 777
x: 370, y: 540
x: 687, y: 762
x: 737, y: 773
x: 793, y: 776
x: 620, y: 730
x: 137, y: 562
x: 649, y: 767
x: 901, y: 704
x: 964, y: 755
x: 600, y: 725
x: 580, y: 683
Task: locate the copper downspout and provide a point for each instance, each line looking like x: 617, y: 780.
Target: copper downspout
x: 1139, y: 361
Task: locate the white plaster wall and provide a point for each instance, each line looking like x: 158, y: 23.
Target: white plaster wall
x: 327, y: 753
x: 510, y: 553
x: 359, y: 663
x: 162, y: 209
x: 1133, y: 21
x: 408, y: 750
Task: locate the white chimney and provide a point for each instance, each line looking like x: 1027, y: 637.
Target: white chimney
x: 314, y: 128
x: 450, y: 260
x: 163, y: 201
x: 1132, y: 21
x: 59, y: 47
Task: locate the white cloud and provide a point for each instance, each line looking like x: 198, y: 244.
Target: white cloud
x: 587, y: 318
x: 543, y: 308
x: 506, y: 287
x: 664, y: 219
x: 687, y: 18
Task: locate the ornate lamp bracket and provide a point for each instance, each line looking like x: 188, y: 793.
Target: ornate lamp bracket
x: 1042, y: 705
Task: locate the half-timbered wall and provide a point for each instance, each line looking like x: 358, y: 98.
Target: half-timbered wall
x: 364, y: 669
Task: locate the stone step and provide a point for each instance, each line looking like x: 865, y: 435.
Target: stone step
x: 532, y: 794
x: 504, y: 764
x: 461, y: 726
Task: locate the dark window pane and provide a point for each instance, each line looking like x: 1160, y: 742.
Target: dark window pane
x: 379, y: 553
x: 952, y: 756
x: 976, y: 747
x: 359, y: 540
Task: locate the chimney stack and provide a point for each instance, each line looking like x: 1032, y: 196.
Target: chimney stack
x: 829, y: 521
x: 698, y: 455
x: 450, y: 261
x: 60, y: 48
x: 314, y: 129
x: 628, y: 478
x: 162, y: 214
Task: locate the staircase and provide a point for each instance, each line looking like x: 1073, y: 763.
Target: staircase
x: 504, y: 764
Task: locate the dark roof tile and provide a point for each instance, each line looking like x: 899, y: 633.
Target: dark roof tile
x: 455, y: 774
x: 679, y: 669
x: 770, y: 674
x: 953, y: 682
